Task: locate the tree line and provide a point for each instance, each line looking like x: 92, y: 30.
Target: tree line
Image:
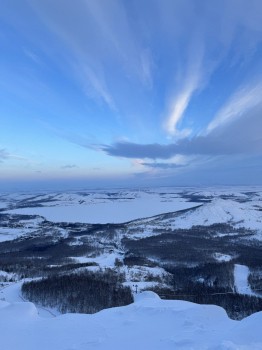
x: 85, y: 292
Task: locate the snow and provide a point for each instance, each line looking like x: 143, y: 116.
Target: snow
x: 6, y: 274
x: 239, y: 206
x: 142, y: 276
x: 241, y: 273
x: 148, y: 323
x: 143, y: 273
x: 8, y: 234
x: 222, y: 257
x: 222, y: 211
x: 11, y: 293
x: 102, y: 208
x: 103, y: 260
x: 26, y: 227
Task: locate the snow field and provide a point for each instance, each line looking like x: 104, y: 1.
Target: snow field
x: 148, y: 323
x: 108, y: 212
x: 241, y: 273
x: 105, y: 207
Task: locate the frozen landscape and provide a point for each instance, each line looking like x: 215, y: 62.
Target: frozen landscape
x: 148, y: 323
x: 131, y: 175
x: 192, y: 247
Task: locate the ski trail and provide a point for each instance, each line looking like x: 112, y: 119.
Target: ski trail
x: 241, y: 273
x: 12, y: 294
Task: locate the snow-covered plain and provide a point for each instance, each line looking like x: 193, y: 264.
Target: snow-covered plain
x: 149, y: 323
x: 106, y: 208
x: 241, y: 207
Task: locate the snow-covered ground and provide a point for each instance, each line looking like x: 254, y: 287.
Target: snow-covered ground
x: 149, y: 323
x: 107, y: 210
x: 11, y: 293
x: 220, y: 210
x: 137, y: 277
x: 7, y: 276
x: 104, y: 260
x: 241, y: 206
x: 222, y: 257
x: 241, y: 273
x: 25, y: 227
x: 8, y: 234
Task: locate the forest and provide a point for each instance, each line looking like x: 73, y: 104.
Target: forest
x: 84, y: 292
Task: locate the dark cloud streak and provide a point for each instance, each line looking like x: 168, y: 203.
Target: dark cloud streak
x: 69, y: 166
x: 243, y: 136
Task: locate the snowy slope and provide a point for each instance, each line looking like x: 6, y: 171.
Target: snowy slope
x: 223, y: 211
x: 241, y: 273
x: 11, y: 293
x: 149, y: 323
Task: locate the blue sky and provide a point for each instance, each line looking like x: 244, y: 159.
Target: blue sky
x: 117, y: 93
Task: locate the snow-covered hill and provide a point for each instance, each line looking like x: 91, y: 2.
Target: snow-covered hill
x: 239, y: 214
x: 149, y: 323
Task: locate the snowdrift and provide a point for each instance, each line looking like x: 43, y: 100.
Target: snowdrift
x: 148, y: 323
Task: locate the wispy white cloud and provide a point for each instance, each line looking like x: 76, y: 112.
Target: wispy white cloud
x: 100, y: 39
x: 98, y: 83
x: 147, y: 68
x: 4, y: 155
x: 177, y: 109
x: 238, y: 105
x: 32, y: 56
x: 191, y: 80
x: 209, y: 39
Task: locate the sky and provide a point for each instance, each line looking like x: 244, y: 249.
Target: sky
x: 130, y: 93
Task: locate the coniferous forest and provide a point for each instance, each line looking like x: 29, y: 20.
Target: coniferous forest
x: 84, y: 292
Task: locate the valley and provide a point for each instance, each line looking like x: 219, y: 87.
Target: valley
x: 190, y: 250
